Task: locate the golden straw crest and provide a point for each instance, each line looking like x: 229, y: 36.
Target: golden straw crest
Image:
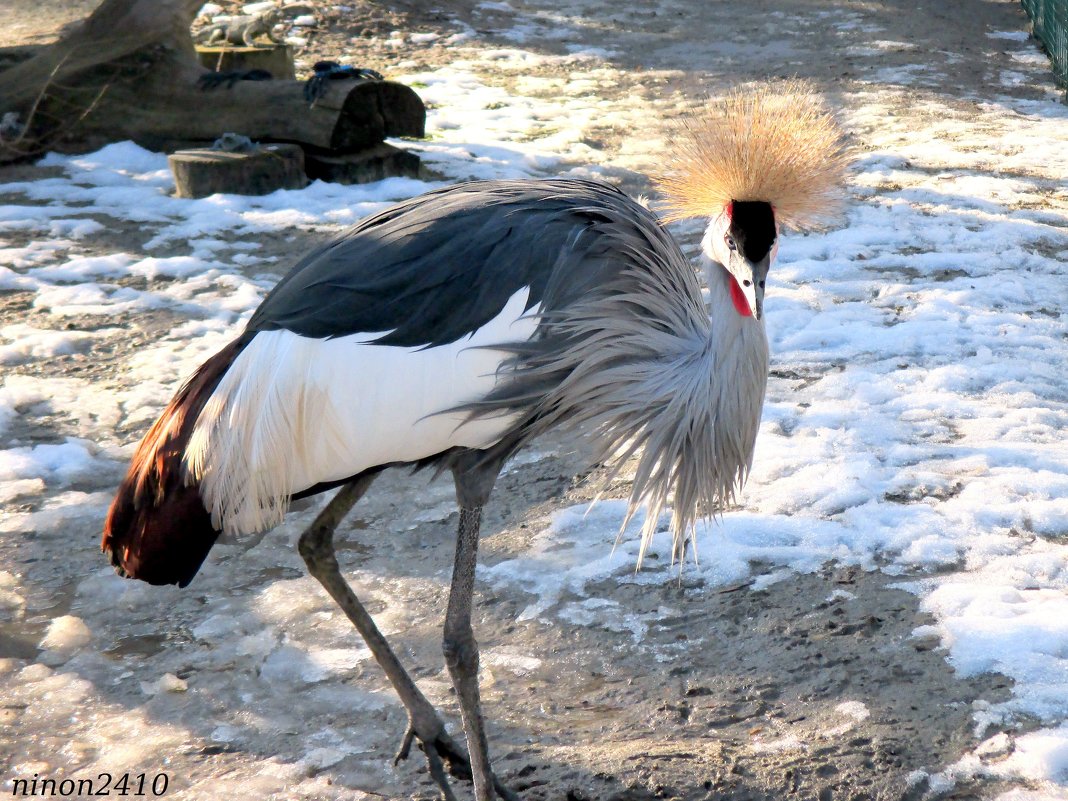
x: 776, y: 142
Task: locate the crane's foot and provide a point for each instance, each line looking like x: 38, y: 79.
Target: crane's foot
x: 443, y: 754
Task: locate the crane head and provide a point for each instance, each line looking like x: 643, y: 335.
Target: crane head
x: 744, y: 239
x: 774, y: 141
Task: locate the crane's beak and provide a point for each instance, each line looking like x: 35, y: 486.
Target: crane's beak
x: 751, y: 278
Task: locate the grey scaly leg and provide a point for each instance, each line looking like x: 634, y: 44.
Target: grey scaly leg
x: 473, y: 485
x: 316, y: 547
x: 461, y: 651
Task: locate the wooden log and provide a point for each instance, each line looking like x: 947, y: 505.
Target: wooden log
x: 373, y: 164
x: 203, y: 172
x: 130, y: 72
x: 351, y: 116
x: 276, y: 59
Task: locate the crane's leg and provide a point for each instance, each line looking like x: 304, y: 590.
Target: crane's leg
x: 473, y: 485
x: 316, y: 547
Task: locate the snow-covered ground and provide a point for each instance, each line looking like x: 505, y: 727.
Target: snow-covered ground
x: 914, y: 425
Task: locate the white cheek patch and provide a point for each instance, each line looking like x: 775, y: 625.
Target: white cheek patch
x: 713, y: 243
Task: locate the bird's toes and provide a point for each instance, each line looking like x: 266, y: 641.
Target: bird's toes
x: 441, y: 749
x: 441, y: 756
x: 405, y: 745
x: 456, y: 761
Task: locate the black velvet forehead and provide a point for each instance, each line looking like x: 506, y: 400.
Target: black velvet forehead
x: 753, y: 227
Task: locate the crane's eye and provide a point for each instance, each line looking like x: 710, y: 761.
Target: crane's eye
x: 731, y: 244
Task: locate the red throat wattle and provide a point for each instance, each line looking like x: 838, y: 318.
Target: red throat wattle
x: 741, y: 305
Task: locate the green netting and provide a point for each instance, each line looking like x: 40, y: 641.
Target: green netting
x: 1050, y: 18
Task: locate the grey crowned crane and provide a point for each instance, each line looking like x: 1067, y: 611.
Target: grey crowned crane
x: 450, y: 330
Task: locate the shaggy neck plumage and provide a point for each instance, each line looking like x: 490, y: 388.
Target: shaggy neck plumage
x: 646, y: 371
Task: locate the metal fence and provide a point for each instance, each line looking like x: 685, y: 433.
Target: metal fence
x: 1050, y: 18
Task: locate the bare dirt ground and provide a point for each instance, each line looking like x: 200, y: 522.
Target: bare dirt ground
x: 698, y: 707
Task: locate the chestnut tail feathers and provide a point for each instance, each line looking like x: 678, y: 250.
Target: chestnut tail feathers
x: 157, y: 528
